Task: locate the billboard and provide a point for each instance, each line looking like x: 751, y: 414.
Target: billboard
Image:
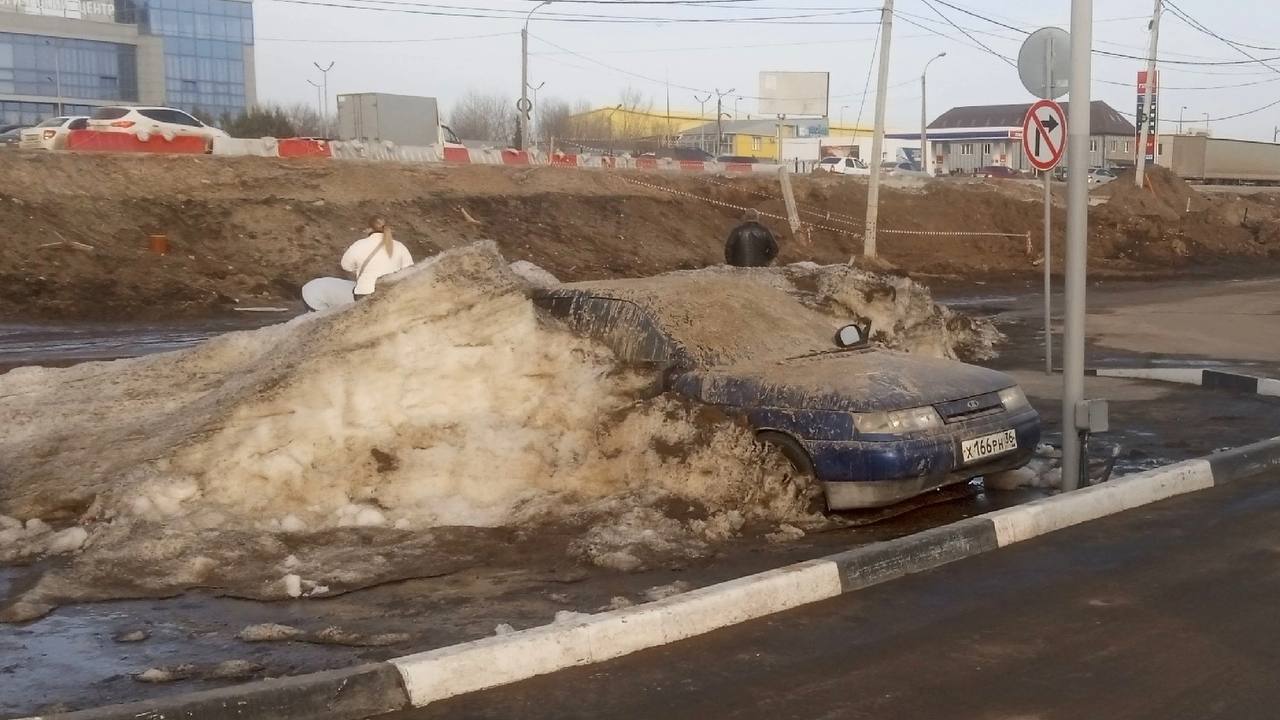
x: 794, y: 93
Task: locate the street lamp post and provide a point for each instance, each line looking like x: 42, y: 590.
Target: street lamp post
x: 609, y: 122
x: 1180, y: 114
x: 924, y: 121
x: 533, y: 124
x: 702, y: 122
x: 1206, y: 123
x: 524, y: 106
x: 319, y: 97
x: 324, y: 75
x: 57, y: 71
x: 720, y: 114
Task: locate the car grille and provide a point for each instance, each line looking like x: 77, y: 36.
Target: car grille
x: 955, y: 411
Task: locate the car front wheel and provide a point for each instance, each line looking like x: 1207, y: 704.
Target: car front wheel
x: 801, y: 475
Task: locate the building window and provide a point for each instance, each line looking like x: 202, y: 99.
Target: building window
x: 1127, y: 147
x: 1160, y: 149
x: 1093, y: 145
x: 986, y: 149
x: 756, y: 144
x: 966, y: 149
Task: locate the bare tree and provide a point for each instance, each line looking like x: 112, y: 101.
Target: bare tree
x: 554, y: 120
x: 480, y: 116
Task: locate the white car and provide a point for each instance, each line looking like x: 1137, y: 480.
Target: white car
x: 148, y: 122
x: 52, y: 133
x: 844, y: 166
x: 1101, y: 176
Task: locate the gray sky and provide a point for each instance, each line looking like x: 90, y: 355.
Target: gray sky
x: 385, y: 51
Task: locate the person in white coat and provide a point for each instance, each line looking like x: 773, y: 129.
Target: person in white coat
x: 371, y: 257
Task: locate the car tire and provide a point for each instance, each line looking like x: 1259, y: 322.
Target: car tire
x: 804, y: 479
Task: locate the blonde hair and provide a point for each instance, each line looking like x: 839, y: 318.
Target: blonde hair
x: 379, y: 225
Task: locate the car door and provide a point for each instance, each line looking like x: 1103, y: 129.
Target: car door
x: 155, y: 122
x: 849, y: 167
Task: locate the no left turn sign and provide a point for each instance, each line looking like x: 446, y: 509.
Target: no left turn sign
x: 1044, y: 134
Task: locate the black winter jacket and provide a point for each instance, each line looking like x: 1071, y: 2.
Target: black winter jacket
x: 750, y: 245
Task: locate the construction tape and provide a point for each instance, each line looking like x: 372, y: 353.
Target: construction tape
x: 954, y: 233
x: 825, y: 214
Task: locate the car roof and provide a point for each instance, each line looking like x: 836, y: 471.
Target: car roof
x: 722, y: 315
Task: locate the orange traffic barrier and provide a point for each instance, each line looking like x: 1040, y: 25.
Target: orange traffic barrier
x: 96, y: 141
x: 303, y: 147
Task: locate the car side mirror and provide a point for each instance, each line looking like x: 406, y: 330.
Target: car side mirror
x: 853, y: 335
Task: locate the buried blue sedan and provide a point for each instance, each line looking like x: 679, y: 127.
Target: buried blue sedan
x: 866, y: 426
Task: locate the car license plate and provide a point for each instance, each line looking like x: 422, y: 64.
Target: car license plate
x: 988, y: 446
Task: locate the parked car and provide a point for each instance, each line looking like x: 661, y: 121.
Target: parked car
x: 680, y: 154
x: 1101, y: 176
x: 997, y: 171
x: 146, y: 122
x: 743, y: 160
x: 52, y: 133
x: 844, y: 166
x: 861, y: 426
x: 11, y: 137
x: 902, y: 169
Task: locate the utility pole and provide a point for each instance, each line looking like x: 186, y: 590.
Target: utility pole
x: 719, y: 118
x: 1147, y: 121
x: 1181, y: 112
x: 1275, y: 135
x: 877, y: 141
x: 524, y: 106
x: 702, y: 121
x: 842, y: 109
x: 533, y: 124
x: 924, y: 121
x: 1077, y: 239
x: 324, y: 79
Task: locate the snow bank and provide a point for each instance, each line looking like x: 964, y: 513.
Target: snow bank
x: 342, y: 447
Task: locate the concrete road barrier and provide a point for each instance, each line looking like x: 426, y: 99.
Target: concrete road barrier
x: 423, y: 678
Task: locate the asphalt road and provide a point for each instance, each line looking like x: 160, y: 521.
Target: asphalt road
x: 1164, y: 612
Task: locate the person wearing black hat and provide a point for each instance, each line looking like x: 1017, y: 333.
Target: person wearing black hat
x: 750, y: 244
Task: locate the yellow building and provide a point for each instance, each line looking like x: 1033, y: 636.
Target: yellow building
x: 757, y: 138
x: 620, y: 122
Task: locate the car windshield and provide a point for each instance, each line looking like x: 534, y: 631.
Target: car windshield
x: 830, y: 161
x: 722, y: 317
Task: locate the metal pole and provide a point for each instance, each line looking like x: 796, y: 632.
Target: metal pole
x: 319, y: 98
x: 1077, y: 237
x: 522, y: 115
x: 1180, y: 114
x: 877, y: 142
x: 1048, y: 232
x: 57, y: 72
x: 1147, y: 121
x: 924, y: 136
x: 702, y: 122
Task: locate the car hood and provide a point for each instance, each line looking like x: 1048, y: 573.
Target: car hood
x: 856, y: 381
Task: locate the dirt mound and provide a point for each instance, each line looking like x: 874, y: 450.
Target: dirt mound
x: 1164, y: 195
x: 247, y: 232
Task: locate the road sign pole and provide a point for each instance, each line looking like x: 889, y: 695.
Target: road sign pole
x: 1048, y: 218
x: 1077, y: 248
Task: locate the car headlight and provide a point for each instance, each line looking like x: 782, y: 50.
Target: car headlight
x: 1014, y: 399
x: 897, y: 421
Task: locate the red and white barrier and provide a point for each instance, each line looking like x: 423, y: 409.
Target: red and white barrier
x: 95, y: 141
x: 119, y: 142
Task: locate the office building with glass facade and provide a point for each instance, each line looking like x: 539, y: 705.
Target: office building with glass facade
x: 196, y: 55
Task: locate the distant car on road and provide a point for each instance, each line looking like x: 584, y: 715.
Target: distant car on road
x: 52, y: 133
x: 148, y: 122
x: 902, y: 169
x: 998, y: 171
x: 11, y: 137
x: 1101, y: 176
x: 844, y: 166
x: 861, y: 426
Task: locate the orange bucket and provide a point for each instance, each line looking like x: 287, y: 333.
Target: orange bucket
x: 159, y: 243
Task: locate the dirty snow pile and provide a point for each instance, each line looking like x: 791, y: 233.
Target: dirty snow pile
x: 443, y: 401
x: 378, y: 442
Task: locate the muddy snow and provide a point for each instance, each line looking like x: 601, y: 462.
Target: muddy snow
x: 378, y: 442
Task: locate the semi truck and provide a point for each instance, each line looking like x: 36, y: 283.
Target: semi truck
x: 1219, y: 161
x: 399, y: 119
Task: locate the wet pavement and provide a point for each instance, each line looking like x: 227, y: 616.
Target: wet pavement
x: 70, y: 656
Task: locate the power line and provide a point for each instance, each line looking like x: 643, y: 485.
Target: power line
x: 385, y: 40
x: 934, y: 8
x: 412, y: 8
x: 1196, y: 24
